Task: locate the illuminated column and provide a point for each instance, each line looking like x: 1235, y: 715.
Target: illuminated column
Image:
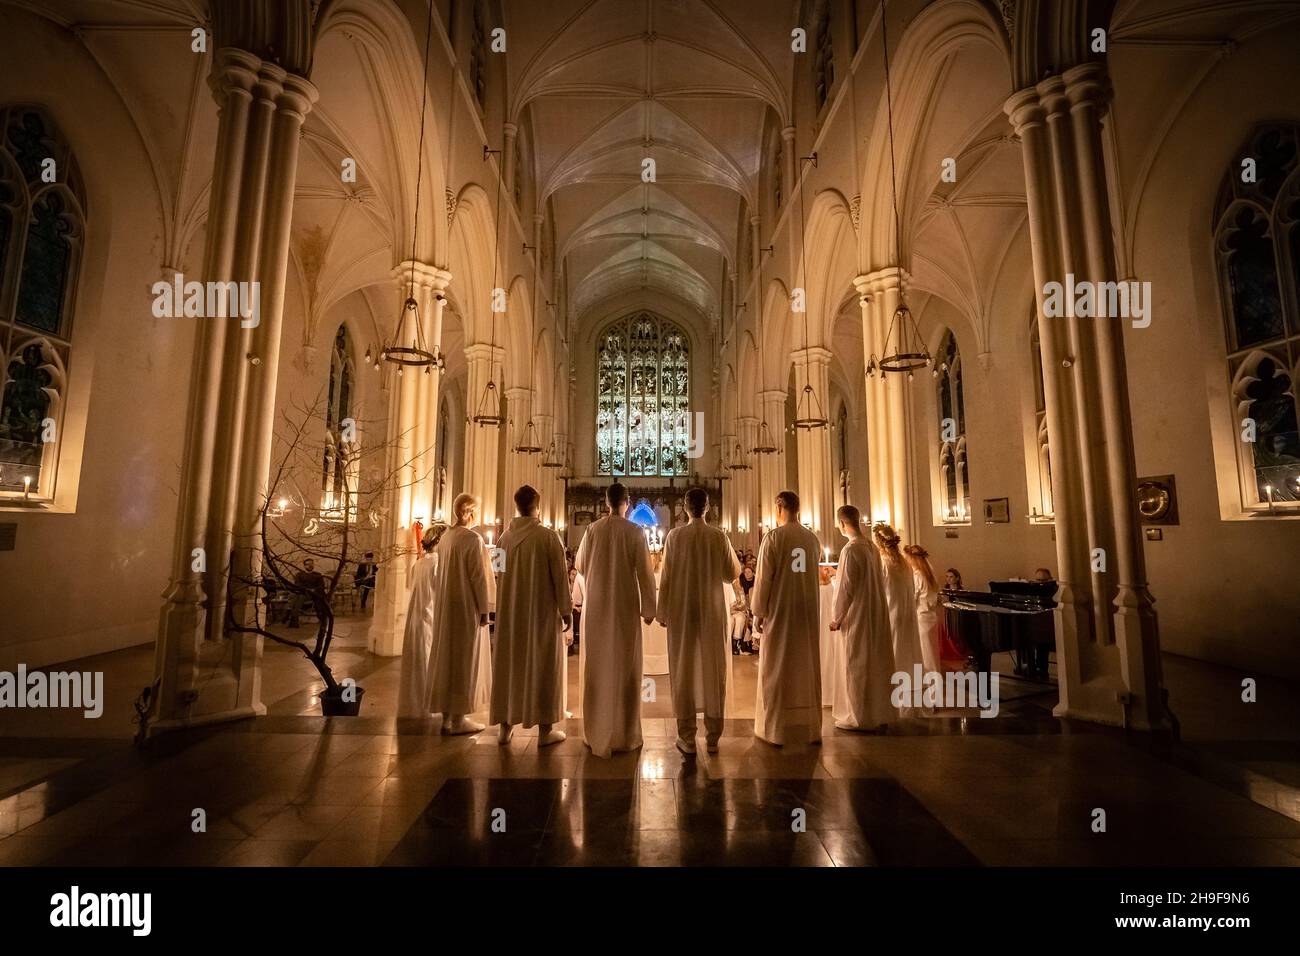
x: 745, y: 486
x: 198, y: 677
x: 545, y: 482
x: 893, y: 500
x: 816, y: 493
x: 771, y: 467
x: 1106, y: 629
x: 482, y: 441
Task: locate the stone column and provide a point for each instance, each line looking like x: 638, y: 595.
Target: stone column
x: 888, y: 407
x: 771, y: 477
x: 509, y: 131
x: 482, y: 441
x: 1107, y: 636
x: 816, y: 486
x: 198, y: 677
x: 791, y: 168
x: 412, y: 438
x: 744, y: 488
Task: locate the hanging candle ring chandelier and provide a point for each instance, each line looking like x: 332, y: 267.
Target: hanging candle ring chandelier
x: 488, y: 412
x: 808, y: 411
x: 528, y: 443
x: 414, y: 354
x: 910, y: 352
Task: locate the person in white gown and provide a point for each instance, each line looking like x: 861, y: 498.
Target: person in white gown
x: 461, y: 609
x: 698, y: 564
x: 788, y: 702
x: 926, y: 587
x: 860, y: 615
x: 413, y: 696
x: 615, y: 564
x: 533, y: 613
x: 900, y: 593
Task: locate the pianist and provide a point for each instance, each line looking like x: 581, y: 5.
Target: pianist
x: 1031, y: 656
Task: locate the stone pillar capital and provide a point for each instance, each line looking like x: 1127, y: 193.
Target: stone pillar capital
x: 881, y: 280
x: 510, y: 130
x: 233, y: 71
x: 1087, y: 85
x: 772, y: 395
x: 813, y: 355
x: 424, y: 276
x: 1024, y: 110
x: 787, y: 134
x: 297, y: 96
x: 483, y: 352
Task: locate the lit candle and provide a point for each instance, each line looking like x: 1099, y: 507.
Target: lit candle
x: 1268, y: 490
x: 827, y: 553
x: 27, y: 486
x: 489, y: 539
x: 284, y: 503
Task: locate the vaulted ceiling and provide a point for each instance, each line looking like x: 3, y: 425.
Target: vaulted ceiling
x: 598, y: 86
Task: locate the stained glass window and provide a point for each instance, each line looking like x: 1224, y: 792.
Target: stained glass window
x: 643, y: 395
x: 40, y: 242
x: 955, y: 486
x: 478, y: 55
x: 824, y: 61
x: 1257, y: 243
x: 334, y: 472
x: 1043, y: 451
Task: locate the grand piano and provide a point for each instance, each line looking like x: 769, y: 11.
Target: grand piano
x: 1011, y: 616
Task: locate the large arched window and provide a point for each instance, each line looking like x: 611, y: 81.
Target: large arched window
x: 954, y: 473
x: 1042, y: 448
x: 643, y: 392
x: 340, y: 427
x: 1257, y: 246
x: 42, y: 212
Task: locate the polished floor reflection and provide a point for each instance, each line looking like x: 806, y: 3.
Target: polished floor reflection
x: 293, y: 788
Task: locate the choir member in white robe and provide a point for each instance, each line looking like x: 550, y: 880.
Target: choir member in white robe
x: 534, y: 611
x: 926, y: 587
x: 788, y: 702
x: 860, y: 615
x: 615, y: 563
x: 413, y: 696
x: 460, y: 611
x: 900, y: 593
x: 698, y: 564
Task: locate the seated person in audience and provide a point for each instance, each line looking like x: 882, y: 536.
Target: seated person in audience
x: 363, y: 579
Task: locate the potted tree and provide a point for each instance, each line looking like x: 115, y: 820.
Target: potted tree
x: 323, y: 508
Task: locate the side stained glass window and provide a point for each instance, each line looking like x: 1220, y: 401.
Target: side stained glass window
x: 1257, y: 248
x: 42, y: 214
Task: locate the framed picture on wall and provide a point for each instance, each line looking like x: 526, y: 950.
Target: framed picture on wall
x: 997, y: 511
x: 582, y: 517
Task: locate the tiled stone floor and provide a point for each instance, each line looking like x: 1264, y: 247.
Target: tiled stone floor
x: 297, y: 789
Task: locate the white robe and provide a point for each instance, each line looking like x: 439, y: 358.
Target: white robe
x: 901, y: 596
x: 615, y: 564
x: 413, y: 694
x: 927, y: 621
x: 865, y: 643
x: 698, y: 564
x: 528, y: 668
x: 788, y: 703
x: 462, y: 599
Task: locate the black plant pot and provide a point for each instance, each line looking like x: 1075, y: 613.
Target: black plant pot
x: 332, y: 703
